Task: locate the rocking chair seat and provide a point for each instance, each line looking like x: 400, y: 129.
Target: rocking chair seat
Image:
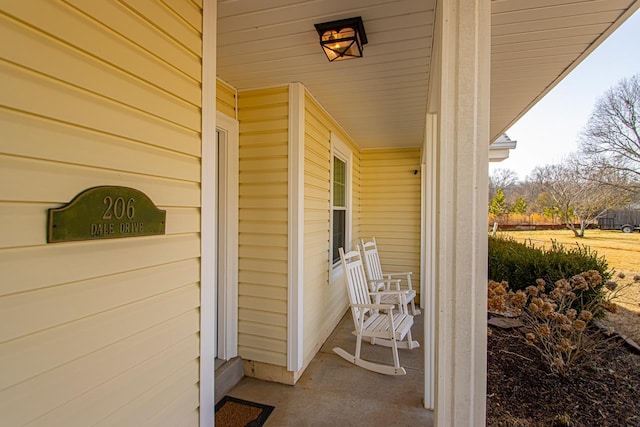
x: 378, y: 325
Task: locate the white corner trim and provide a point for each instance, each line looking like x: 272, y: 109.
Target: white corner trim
x: 208, y: 216
x: 228, y: 237
x: 295, y: 349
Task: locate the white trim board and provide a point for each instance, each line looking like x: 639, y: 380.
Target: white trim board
x: 295, y: 276
x: 341, y: 150
x: 208, y: 215
x: 228, y: 237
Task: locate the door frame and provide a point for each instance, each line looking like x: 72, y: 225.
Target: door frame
x: 227, y: 194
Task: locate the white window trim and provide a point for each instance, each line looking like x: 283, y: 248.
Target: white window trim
x: 342, y: 151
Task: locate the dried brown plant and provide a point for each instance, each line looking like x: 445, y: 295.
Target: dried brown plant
x: 557, y: 321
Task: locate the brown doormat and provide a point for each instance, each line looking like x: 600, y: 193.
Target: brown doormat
x: 232, y: 412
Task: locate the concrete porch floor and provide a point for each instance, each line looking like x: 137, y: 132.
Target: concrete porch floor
x: 333, y: 392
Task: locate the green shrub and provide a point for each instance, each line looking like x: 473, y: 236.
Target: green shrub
x: 522, y: 264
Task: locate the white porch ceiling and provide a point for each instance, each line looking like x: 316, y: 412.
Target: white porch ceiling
x: 381, y: 99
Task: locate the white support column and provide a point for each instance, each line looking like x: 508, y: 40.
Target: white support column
x: 208, y: 216
x: 463, y: 139
x: 429, y: 229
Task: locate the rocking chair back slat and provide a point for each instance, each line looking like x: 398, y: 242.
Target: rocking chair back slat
x: 356, y: 282
x: 372, y: 259
x: 378, y: 278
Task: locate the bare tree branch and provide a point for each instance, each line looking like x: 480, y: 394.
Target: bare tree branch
x: 610, y: 143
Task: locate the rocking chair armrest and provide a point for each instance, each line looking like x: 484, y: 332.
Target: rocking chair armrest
x: 402, y: 292
x: 404, y: 273
x: 374, y: 306
x: 402, y: 295
x: 384, y: 281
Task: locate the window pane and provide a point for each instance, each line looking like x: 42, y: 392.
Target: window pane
x: 338, y: 233
x: 339, y: 183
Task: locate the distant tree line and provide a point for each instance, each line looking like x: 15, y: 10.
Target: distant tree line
x: 603, y: 174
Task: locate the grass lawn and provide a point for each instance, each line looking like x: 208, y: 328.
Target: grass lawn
x: 622, y: 252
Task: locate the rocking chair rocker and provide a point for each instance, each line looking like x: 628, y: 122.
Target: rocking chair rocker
x: 376, y: 322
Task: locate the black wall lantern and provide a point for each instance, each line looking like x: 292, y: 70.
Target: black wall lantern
x: 342, y: 39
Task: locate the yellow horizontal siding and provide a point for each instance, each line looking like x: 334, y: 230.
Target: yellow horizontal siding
x: 253, y: 171
x: 46, y: 139
x: 79, y: 32
x: 264, y: 113
x: 380, y: 215
x: 183, y: 410
x: 262, y: 343
x: 61, y: 182
x: 264, y: 140
x: 137, y: 29
x: 261, y: 330
x: 138, y: 410
x: 263, y: 290
x: 261, y: 278
x: 188, y: 11
x: 265, y: 202
x: 265, y: 98
x: 278, y: 319
x: 257, y: 189
x: 25, y: 90
x: 25, y: 313
x: 99, y: 93
x: 69, y: 262
x: 37, y: 353
x: 265, y: 126
x: 391, y: 207
x: 255, y: 226
x: 76, y: 68
x: 125, y: 381
x: 187, y: 33
x: 324, y: 304
x: 260, y: 264
x: 263, y: 229
x: 258, y: 151
x: 225, y: 99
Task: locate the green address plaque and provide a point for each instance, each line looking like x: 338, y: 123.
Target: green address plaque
x: 105, y: 212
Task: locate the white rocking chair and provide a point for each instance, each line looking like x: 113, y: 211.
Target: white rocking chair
x: 382, y: 280
x: 376, y: 322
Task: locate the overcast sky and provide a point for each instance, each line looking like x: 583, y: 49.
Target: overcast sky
x: 549, y: 131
